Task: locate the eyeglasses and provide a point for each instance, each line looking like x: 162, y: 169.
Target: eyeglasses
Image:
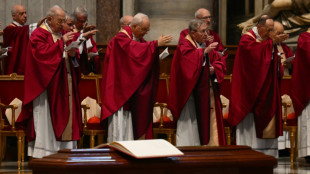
x: 144, y: 29
x: 203, y: 31
x: 206, y: 17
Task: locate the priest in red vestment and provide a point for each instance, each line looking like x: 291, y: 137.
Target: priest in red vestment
x: 130, y: 80
x: 205, y: 15
x: 301, y: 93
x: 51, y: 96
x: 255, y: 104
x: 87, y: 63
x: 16, y: 35
x: 194, y: 98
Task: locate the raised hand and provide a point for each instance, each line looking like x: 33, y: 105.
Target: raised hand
x: 68, y: 36
x: 211, y: 47
x: 89, y: 33
x: 164, y: 40
x: 87, y: 27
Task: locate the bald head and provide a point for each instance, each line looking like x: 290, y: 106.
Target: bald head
x: 125, y: 20
x: 56, y: 18
x: 19, y: 14
x: 278, y: 28
x: 205, y: 15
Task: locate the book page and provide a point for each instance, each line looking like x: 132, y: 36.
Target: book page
x: 74, y: 44
x: 153, y: 148
x: 164, y: 54
x: 289, y: 59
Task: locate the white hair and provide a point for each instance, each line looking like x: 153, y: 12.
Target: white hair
x: 53, y: 9
x: 80, y: 10
x: 194, y: 24
x: 138, y: 18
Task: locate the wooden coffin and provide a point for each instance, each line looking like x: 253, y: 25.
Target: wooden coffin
x: 227, y: 159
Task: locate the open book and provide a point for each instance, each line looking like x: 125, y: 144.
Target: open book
x: 154, y: 148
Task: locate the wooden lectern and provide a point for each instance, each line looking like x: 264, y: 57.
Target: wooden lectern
x: 201, y: 159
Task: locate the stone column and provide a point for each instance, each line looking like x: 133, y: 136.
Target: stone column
x: 223, y: 20
x: 108, y: 15
x: 129, y: 7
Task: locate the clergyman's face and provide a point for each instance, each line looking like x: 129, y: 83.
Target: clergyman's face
x: 266, y: 30
x: 68, y: 25
x: 205, y: 16
x: 201, y: 34
x: 80, y: 21
x: 57, y: 21
x: 21, y: 15
x: 140, y: 30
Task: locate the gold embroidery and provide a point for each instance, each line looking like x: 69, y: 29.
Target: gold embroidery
x: 189, y: 38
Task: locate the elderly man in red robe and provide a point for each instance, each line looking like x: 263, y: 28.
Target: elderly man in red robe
x: 51, y: 96
x: 255, y: 106
x: 16, y: 35
x: 130, y: 80
x: 301, y: 93
x: 87, y: 63
x: 205, y: 15
x: 194, y: 97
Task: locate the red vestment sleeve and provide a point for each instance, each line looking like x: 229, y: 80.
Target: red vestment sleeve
x: 300, y: 83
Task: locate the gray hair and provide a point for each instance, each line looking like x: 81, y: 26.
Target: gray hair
x: 13, y: 9
x: 79, y: 10
x: 194, y: 24
x: 69, y: 15
x: 52, y: 11
x: 138, y: 18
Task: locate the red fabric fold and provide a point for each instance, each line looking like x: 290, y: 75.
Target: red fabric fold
x: 17, y: 38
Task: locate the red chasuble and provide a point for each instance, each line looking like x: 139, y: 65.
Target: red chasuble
x: 189, y: 76
x: 88, y: 66
x: 131, y: 74
x: 17, y: 38
x: 216, y: 37
x: 255, y: 84
x: 301, y: 72
x: 46, y: 70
